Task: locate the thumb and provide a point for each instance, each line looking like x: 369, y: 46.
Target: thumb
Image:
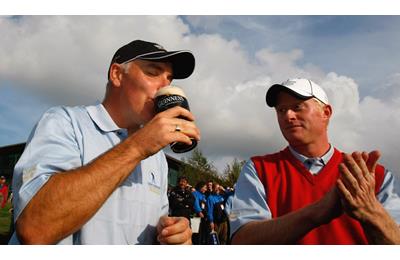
x: 162, y: 222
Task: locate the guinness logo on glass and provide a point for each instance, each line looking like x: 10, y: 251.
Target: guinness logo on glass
x: 169, y: 97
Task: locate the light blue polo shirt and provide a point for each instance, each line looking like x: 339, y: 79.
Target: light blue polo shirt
x: 249, y: 202
x: 66, y: 138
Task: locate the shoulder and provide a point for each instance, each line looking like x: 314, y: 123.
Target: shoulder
x: 54, y: 122
x: 271, y: 157
x: 64, y: 111
x: 55, y: 113
x: 60, y: 116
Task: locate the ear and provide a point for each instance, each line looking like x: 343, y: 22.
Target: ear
x: 116, y: 74
x: 327, y: 111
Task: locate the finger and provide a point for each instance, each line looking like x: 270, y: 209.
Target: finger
x: 176, y: 233
x: 185, y: 126
x: 189, y: 128
x: 373, y: 160
x: 352, y: 166
x: 365, y: 156
x: 185, y: 129
x: 348, y: 179
x: 160, y: 225
x: 177, y: 112
x: 177, y: 239
x: 364, y: 180
x: 163, y: 222
x: 367, y: 180
x: 363, y: 170
x: 182, y: 138
x: 177, y: 225
x: 344, y: 193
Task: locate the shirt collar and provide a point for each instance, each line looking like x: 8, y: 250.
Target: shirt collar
x: 324, y: 159
x: 102, y: 118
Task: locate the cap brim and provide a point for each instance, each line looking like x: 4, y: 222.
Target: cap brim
x: 273, y: 91
x: 183, y: 62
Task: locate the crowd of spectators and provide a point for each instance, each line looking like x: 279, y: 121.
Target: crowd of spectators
x: 206, y: 205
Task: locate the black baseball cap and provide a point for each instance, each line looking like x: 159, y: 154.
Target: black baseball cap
x: 182, y: 61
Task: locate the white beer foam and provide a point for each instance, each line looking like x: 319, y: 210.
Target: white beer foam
x: 171, y: 90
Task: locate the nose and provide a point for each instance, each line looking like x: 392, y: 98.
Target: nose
x: 165, y: 80
x: 289, y: 115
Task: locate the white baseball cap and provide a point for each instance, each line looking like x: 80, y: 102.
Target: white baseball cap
x: 301, y: 88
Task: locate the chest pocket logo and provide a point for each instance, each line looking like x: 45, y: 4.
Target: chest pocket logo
x: 153, y: 185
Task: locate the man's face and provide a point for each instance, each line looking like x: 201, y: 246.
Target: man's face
x: 301, y: 122
x: 183, y: 184
x: 209, y: 186
x: 139, y: 86
x: 216, y: 189
x: 203, y: 189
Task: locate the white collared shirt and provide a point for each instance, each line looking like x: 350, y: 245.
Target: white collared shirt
x: 314, y: 164
x: 70, y: 137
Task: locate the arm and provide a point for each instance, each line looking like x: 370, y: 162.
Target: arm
x: 191, y: 202
x: 69, y: 199
x: 4, y: 197
x: 196, y: 204
x: 210, y: 211
x: 357, y: 190
x: 251, y: 220
x: 291, y: 227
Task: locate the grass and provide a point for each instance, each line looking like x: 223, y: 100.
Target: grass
x: 5, y: 221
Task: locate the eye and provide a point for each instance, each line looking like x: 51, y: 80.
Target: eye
x: 298, y: 107
x: 152, y: 71
x: 281, y: 110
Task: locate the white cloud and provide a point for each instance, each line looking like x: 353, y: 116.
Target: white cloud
x: 65, y: 59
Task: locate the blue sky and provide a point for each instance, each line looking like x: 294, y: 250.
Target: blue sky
x: 62, y: 60
x: 348, y: 45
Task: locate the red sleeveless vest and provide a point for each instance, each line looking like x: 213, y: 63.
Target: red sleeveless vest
x: 290, y: 186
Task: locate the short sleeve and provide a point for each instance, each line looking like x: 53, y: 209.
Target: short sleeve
x: 51, y: 148
x: 249, y: 201
x: 389, y: 195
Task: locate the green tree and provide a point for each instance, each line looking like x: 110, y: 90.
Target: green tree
x: 197, y: 168
x: 232, y: 171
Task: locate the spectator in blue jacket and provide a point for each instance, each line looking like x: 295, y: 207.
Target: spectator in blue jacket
x: 200, y: 199
x: 216, y: 214
x: 200, y: 202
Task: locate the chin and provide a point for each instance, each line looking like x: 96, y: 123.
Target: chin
x: 294, y: 140
x: 145, y: 118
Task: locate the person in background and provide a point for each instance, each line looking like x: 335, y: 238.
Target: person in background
x: 97, y: 174
x: 229, y: 192
x: 216, y: 213
x: 310, y: 192
x: 3, y: 191
x: 200, y: 202
x: 209, y: 188
x: 181, y: 199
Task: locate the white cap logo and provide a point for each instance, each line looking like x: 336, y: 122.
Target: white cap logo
x: 289, y: 83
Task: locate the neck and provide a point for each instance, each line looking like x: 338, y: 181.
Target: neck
x: 118, y: 117
x: 312, y: 150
